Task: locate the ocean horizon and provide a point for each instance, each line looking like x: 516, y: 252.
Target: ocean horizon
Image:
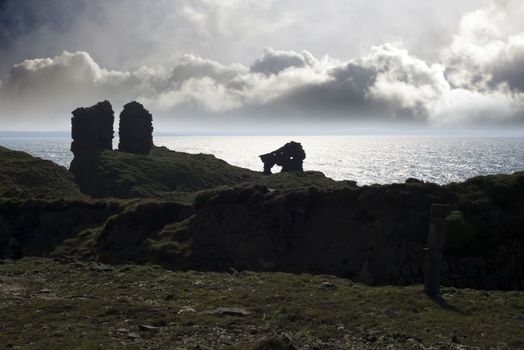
x: 366, y: 159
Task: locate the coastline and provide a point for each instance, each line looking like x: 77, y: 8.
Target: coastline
x: 362, y: 158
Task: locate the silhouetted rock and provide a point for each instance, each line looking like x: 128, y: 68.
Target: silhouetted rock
x: 92, y: 129
x: 136, y: 129
x: 92, y: 132
x: 290, y: 157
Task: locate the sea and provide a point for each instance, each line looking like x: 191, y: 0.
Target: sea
x: 366, y: 159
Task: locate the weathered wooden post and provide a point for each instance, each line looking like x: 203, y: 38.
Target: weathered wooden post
x: 436, y: 236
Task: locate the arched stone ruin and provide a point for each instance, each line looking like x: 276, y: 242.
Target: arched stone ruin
x: 290, y: 157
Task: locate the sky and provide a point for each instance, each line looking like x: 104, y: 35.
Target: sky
x: 265, y: 65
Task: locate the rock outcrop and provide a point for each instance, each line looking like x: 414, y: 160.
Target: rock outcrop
x: 373, y: 234
x: 290, y: 157
x: 135, y: 129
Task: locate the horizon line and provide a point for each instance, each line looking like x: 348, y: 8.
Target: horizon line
x: 364, y: 131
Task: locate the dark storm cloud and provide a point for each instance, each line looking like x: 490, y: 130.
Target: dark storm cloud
x: 21, y: 18
x: 387, y: 84
x: 273, y: 61
x: 510, y: 70
x: 345, y: 93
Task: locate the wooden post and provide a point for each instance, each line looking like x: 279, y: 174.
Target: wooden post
x: 436, y: 236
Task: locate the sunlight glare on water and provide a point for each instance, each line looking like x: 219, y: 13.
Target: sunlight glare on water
x: 365, y: 159
x: 372, y: 159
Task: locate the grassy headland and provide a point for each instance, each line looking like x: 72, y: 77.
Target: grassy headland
x: 187, y: 211
x: 196, y: 212
x: 23, y: 176
x: 178, y: 176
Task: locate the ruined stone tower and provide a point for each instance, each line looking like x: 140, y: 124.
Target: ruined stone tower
x: 92, y: 129
x: 135, y: 129
x: 92, y: 133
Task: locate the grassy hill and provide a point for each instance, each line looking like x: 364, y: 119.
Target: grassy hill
x: 24, y: 176
x: 167, y: 174
x: 163, y: 174
x: 164, y: 171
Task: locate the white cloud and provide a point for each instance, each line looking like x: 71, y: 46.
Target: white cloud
x: 191, y: 66
x: 488, y: 51
x: 204, y: 94
x: 406, y: 84
x: 45, y: 90
x: 461, y: 106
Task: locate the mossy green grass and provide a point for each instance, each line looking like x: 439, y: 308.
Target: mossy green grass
x: 46, y: 304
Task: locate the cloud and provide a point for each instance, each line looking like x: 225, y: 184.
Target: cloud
x: 387, y: 84
x: 191, y: 66
x: 484, y: 65
x: 462, y: 107
x: 507, y: 70
x: 275, y: 61
x: 488, y: 51
x: 405, y: 85
x: 479, y: 79
x: 45, y: 90
x: 125, y: 34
